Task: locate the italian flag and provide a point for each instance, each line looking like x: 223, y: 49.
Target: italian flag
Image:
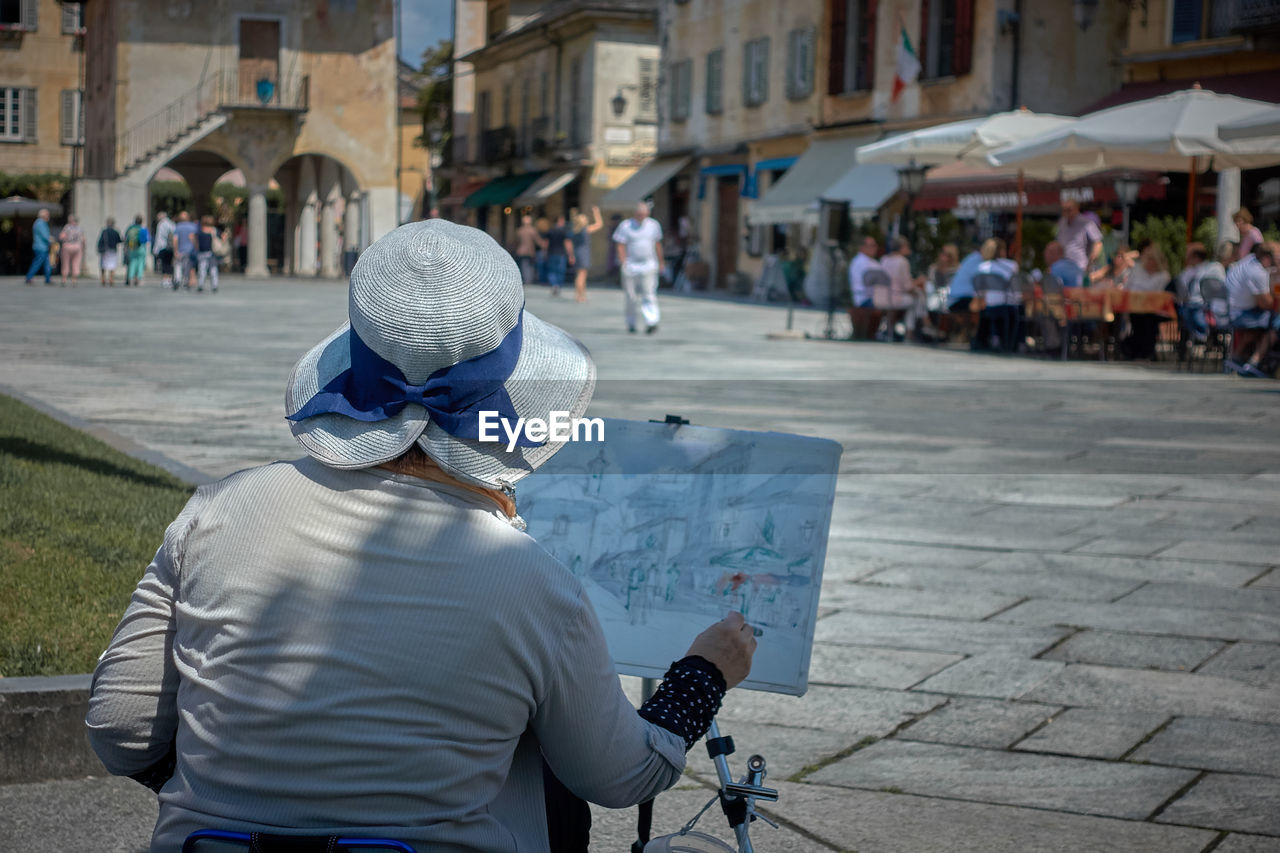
x: 908, y: 66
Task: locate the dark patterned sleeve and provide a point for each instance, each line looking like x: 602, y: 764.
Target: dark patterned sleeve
x: 687, y: 700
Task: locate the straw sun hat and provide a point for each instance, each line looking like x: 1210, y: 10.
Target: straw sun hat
x: 437, y: 334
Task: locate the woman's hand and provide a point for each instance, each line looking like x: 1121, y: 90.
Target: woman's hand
x: 729, y: 644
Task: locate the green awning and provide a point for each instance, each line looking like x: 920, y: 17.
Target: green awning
x: 501, y: 190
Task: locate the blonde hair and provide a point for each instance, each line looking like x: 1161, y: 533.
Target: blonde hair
x: 580, y: 221
x: 992, y: 248
x: 1243, y: 215
x: 1158, y: 254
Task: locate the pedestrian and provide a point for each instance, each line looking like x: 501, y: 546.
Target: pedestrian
x: 559, y: 249
x: 184, y: 251
x: 109, y: 241
x: 162, y: 248
x: 269, y: 674
x: 581, y: 257
x: 240, y: 242
x: 40, y: 240
x: 1080, y: 236
x: 136, y: 240
x: 72, y: 238
x: 527, y: 243
x: 206, y: 258
x: 639, y: 248
x: 862, y: 311
x: 1250, y: 236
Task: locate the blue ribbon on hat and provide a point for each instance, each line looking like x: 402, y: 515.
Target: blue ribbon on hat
x: 373, y: 389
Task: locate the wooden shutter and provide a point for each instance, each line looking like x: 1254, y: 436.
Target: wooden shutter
x: 867, y: 44
x: 927, y: 69
x: 68, y: 117
x: 835, y: 47
x: 647, y: 84
x: 686, y: 87
x: 715, y: 80
x: 962, y: 56
x: 762, y: 70
x: 70, y: 19
x: 805, y: 44
x: 29, y: 132
x: 30, y: 14
x: 1186, y: 25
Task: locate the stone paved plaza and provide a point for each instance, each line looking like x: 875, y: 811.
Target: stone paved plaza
x: 1051, y: 606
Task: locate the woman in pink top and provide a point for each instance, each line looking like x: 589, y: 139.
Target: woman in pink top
x: 1250, y: 236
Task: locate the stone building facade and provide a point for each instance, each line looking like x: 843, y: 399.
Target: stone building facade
x: 302, y: 95
x: 749, y: 87
x: 564, y: 109
x: 41, y: 52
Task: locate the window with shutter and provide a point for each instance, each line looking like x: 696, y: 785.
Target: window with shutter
x: 525, y: 87
x: 681, y: 89
x: 1187, y: 21
x: 938, y: 38
x: 29, y: 132
x: 755, y: 74
x: 648, y: 84
x: 851, y: 67
x: 800, y: 49
x: 30, y: 14
x: 962, y: 56
x: 11, y: 114
x: 72, y: 18
x: 715, y: 81
x: 67, y: 117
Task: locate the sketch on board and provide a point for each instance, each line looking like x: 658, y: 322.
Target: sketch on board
x: 670, y: 527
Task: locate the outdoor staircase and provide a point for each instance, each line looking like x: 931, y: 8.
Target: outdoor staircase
x: 157, y: 139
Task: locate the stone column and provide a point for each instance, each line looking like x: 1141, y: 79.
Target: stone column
x: 1228, y: 203
x: 307, y: 199
x: 257, y: 260
x: 350, y: 215
x: 330, y: 193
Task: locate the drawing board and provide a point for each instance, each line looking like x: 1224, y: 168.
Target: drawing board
x: 672, y: 526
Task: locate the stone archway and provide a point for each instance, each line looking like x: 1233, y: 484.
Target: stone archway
x: 201, y: 170
x: 326, y: 215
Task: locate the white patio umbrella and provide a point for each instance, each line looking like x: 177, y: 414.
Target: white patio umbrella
x: 970, y: 141
x: 1259, y: 131
x: 1177, y: 132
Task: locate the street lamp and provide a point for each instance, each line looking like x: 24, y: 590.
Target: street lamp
x: 1127, y: 193
x: 911, y: 181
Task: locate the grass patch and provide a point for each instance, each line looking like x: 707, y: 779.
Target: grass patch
x: 79, y: 522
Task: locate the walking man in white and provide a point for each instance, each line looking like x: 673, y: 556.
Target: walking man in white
x: 639, y: 242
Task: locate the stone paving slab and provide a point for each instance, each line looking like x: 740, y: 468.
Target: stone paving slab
x: 869, y: 598
x: 1029, y: 584
x: 1253, y: 663
x: 1077, y: 785
x: 1187, y: 621
x: 876, y: 822
x: 881, y: 555
x: 1213, y: 572
x: 103, y: 815
x: 787, y: 750
x: 863, y: 666
x: 1229, y: 801
x: 979, y: 722
x: 844, y: 710
x: 1087, y: 733
x: 1228, y: 745
x: 1183, y: 694
x: 992, y: 674
x: 1261, y: 554
x: 970, y: 535
x: 1132, y: 545
x: 1251, y: 490
x: 1269, y: 580
x: 1139, y: 651
x: 1060, y: 489
x: 937, y: 635
x: 1249, y: 599
x: 1237, y: 843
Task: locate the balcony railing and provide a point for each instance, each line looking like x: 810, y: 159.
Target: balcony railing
x: 219, y: 91
x: 1252, y: 14
x: 497, y: 144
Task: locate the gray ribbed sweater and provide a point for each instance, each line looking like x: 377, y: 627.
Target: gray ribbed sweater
x: 363, y: 652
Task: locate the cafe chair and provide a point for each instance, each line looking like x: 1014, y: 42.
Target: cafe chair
x: 1214, y: 293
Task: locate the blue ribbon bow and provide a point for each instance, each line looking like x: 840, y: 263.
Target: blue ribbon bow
x: 373, y: 389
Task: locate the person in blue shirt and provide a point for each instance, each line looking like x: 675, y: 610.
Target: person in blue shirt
x: 961, y: 290
x: 1055, y: 258
x: 40, y: 240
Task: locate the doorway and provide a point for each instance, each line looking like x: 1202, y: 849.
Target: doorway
x: 259, y: 66
x: 726, y: 230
